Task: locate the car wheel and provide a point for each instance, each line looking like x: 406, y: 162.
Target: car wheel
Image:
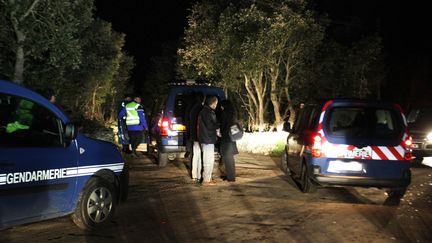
x: 284, y: 163
x: 306, y: 184
x: 96, y: 205
x: 162, y: 159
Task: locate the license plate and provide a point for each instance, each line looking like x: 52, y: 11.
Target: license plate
x: 338, y: 166
x: 359, y: 153
x: 178, y: 127
x: 172, y: 142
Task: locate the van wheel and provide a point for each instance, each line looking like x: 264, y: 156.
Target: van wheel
x: 394, y: 196
x: 96, y: 205
x: 284, y: 163
x: 306, y: 184
x: 162, y: 159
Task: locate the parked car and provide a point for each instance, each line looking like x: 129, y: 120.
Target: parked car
x: 420, y: 127
x: 48, y: 169
x: 349, y: 142
x: 169, y: 135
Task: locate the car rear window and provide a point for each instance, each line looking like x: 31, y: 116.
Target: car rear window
x: 363, y: 122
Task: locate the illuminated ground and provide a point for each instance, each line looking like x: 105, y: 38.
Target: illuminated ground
x: 263, y: 205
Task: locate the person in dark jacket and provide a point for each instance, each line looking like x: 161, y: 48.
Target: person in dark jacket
x: 228, y: 148
x: 196, y: 149
x: 207, y: 130
x: 123, y: 137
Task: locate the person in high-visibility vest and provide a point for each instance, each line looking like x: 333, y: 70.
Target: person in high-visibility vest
x: 23, y: 117
x: 136, y: 123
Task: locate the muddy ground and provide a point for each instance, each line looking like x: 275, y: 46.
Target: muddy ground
x: 164, y: 205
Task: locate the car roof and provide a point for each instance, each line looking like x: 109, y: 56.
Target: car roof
x: 349, y: 101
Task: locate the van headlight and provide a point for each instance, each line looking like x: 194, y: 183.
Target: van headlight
x: 429, y: 137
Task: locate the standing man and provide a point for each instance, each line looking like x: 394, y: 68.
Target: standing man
x: 123, y: 137
x: 207, y: 130
x: 193, y: 136
x: 136, y: 123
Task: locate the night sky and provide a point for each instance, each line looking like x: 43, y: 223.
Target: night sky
x: 405, y: 27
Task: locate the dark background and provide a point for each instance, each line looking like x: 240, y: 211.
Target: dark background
x: 405, y: 27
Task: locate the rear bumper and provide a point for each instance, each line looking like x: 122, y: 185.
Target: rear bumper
x: 328, y: 180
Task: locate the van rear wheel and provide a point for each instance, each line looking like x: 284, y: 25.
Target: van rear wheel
x: 307, y: 185
x: 284, y: 163
x: 394, y: 196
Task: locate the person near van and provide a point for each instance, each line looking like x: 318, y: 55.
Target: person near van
x: 123, y: 137
x: 196, y: 149
x: 136, y: 123
x: 207, y: 130
x: 228, y: 148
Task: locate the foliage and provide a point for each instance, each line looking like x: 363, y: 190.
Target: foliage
x: 64, y: 48
x: 275, y: 54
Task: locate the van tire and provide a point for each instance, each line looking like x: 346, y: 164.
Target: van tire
x: 307, y: 185
x: 284, y: 163
x: 394, y: 195
x: 105, y: 205
x: 162, y: 159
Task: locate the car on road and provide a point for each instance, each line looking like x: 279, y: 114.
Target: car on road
x: 420, y: 126
x: 349, y: 142
x: 169, y: 132
x: 48, y: 169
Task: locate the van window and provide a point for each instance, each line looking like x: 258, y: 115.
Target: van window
x: 182, y: 105
x: 24, y: 123
x: 363, y: 122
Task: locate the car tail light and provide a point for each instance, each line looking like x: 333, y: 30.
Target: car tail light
x: 408, y: 148
x: 316, y: 146
x: 164, y: 126
x: 408, y: 142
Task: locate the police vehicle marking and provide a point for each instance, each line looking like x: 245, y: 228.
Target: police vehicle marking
x: 52, y: 174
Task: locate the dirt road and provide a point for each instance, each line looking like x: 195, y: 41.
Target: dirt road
x: 164, y: 205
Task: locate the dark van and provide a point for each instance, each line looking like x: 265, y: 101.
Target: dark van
x: 169, y: 135
x: 350, y: 142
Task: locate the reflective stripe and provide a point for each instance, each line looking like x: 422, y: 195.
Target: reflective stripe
x: 132, y: 117
x: 42, y: 175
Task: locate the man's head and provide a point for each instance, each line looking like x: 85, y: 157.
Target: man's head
x: 137, y: 99
x: 127, y: 98
x: 211, y: 101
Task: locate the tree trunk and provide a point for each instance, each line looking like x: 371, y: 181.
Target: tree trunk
x: 260, y: 89
x: 19, y: 65
x: 274, y: 73
x: 93, y: 106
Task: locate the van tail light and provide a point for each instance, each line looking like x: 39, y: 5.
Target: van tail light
x: 408, y: 148
x: 164, y: 126
x: 317, y: 146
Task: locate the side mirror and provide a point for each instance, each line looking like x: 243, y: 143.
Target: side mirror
x: 70, y: 132
x: 287, y: 127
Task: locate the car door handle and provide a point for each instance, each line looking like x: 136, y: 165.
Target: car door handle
x: 6, y: 164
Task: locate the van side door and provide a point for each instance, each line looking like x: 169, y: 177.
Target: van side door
x: 35, y: 163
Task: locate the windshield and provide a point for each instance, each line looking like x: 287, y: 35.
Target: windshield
x: 420, y: 119
x: 364, y: 122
